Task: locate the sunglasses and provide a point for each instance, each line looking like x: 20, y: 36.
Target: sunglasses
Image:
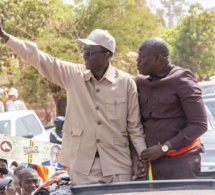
x: 88, y: 53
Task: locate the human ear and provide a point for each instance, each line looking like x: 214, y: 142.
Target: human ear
x: 107, y: 55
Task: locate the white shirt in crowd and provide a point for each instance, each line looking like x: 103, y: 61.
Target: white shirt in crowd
x: 1, y: 106
x: 15, y: 105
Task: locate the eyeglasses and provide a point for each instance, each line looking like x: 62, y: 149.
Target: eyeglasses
x: 88, y: 53
x: 55, y: 154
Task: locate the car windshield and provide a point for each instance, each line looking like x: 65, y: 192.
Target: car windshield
x: 5, y: 127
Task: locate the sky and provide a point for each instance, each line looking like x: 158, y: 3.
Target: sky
x: 205, y: 3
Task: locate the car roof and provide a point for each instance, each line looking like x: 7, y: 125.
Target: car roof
x: 15, y: 114
x: 158, y: 187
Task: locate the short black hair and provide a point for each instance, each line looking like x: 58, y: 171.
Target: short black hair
x: 4, y: 160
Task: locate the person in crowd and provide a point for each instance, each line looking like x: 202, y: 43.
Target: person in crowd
x: 13, y: 103
x: 3, y: 167
x: 1, y: 103
x: 3, y: 172
x: 45, y: 187
x: 18, y: 170
x: 54, y: 158
x: 13, y: 166
x: 57, y: 133
x: 172, y: 111
x: 102, y: 113
x: 29, y: 181
x: 3, y: 185
x: 43, y: 171
x: 13, y: 187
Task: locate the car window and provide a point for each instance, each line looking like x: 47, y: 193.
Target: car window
x: 21, y: 128
x: 32, y: 124
x: 5, y: 127
x: 207, y: 89
x: 211, y: 107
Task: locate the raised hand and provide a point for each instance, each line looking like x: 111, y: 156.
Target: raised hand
x: 3, y: 34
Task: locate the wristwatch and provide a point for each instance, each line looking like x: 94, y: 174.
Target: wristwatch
x: 164, y: 148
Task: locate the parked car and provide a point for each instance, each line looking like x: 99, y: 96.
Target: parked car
x: 208, y: 95
x: 210, y: 103
x: 207, y: 87
x: 23, y: 123
x: 208, y: 139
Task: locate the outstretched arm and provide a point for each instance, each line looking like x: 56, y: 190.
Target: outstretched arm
x: 3, y: 34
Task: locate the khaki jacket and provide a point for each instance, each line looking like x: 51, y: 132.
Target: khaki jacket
x: 100, y: 116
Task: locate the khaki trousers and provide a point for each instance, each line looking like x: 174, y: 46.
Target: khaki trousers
x: 96, y: 176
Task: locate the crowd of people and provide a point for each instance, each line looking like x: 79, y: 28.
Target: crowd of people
x: 9, y: 100
x: 21, y: 180
x: 117, y: 127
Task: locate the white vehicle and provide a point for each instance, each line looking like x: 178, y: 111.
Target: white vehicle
x: 207, y: 87
x: 23, y: 123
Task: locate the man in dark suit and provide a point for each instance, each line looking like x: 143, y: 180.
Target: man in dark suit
x: 55, y: 155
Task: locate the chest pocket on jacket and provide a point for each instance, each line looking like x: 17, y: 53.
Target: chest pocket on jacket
x: 167, y: 104
x: 74, y: 139
x: 115, y: 108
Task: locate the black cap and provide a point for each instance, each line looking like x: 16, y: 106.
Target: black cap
x: 3, y: 170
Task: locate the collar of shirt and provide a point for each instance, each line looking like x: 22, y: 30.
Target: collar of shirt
x: 162, y: 73
x: 109, y: 74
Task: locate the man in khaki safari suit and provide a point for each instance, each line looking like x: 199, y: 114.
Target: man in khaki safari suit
x: 102, y: 112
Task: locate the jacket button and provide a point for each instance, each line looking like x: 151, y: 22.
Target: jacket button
x: 125, y: 144
x: 97, y: 108
x: 71, y: 133
x: 97, y: 141
x: 99, y: 123
x: 97, y: 90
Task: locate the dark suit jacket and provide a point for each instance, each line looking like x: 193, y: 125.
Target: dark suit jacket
x: 48, y: 164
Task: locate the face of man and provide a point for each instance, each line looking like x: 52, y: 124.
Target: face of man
x: 55, y: 154
x: 29, y: 183
x: 4, y: 165
x: 94, y: 57
x: 11, y: 188
x: 11, y: 97
x: 146, y: 61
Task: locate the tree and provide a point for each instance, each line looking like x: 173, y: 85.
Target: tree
x: 49, y: 24
x: 129, y: 21
x: 55, y: 26
x: 171, y: 10
x: 193, y: 41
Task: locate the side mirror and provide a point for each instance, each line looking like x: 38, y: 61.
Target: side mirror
x: 29, y: 136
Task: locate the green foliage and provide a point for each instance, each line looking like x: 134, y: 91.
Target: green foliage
x: 55, y: 26
x: 193, y: 41
x: 49, y: 24
x: 130, y: 22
